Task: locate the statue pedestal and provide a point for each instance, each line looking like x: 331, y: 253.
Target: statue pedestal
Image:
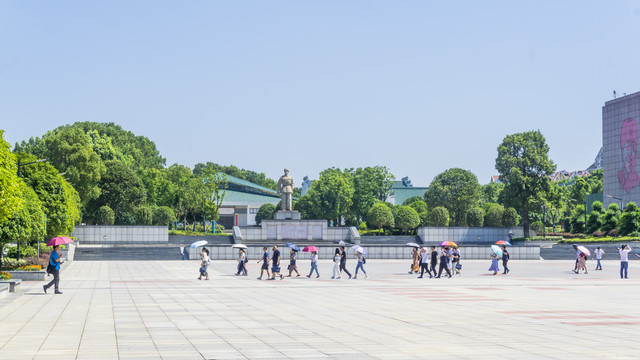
x: 286, y: 215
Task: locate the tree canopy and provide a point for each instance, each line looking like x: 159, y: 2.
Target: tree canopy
x: 455, y: 189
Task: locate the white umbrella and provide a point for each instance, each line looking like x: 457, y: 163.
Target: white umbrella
x: 359, y: 249
x: 199, y: 243
x: 239, y: 246
x: 412, y: 245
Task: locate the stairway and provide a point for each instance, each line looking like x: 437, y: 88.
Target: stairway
x: 133, y: 252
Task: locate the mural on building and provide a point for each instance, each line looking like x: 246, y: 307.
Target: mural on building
x: 628, y: 149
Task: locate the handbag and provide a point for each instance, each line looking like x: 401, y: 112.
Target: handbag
x: 458, y: 266
x: 50, y: 268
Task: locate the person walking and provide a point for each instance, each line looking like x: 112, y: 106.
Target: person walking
x: 624, y: 260
x: 314, y: 264
x: 361, y: 261
x: 424, y: 264
x: 575, y: 247
x: 494, y: 264
x: 415, y: 261
x: 456, y: 267
x: 293, y: 258
x: 343, y: 261
x: 444, y: 262
x: 505, y: 259
x: 204, y: 255
x: 275, y: 263
x: 434, y: 260
x: 55, y: 260
x: 598, y: 255
x: 242, y: 263
x: 265, y: 263
x: 582, y: 263
x: 336, y: 264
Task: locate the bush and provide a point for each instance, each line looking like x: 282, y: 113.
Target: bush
x: 598, y: 234
x: 143, y: 215
x: 163, y: 215
x: 9, y: 263
x: 362, y: 226
x: 634, y: 234
x: 407, y: 218
x: 438, y: 216
x: 105, y: 216
x: 5, y: 275
x: 265, y: 211
x: 25, y: 251
x: 510, y: 218
x: 538, y: 227
x: 475, y: 217
x: 29, y: 268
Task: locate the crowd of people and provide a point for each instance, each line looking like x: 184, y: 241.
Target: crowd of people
x: 582, y: 254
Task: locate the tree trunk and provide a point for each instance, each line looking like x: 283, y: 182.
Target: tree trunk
x: 525, y: 220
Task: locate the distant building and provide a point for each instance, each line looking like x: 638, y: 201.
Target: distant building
x: 244, y: 198
x: 404, y: 189
x: 620, y: 138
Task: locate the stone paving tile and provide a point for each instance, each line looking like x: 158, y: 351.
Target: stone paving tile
x: 158, y: 310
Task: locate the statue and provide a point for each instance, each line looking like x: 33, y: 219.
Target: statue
x: 285, y: 189
x: 306, y: 184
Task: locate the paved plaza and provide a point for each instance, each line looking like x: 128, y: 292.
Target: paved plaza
x: 159, y: 310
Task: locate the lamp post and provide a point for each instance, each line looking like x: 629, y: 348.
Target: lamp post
x: 20, y: 165
x: 544, y: 221
x: 616, y: 198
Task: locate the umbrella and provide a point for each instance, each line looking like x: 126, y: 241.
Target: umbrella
x: 496, y: 249
x: 199, y: 243
x: 502, y: 242
x: 340, y: 242
x: 412, y: 245
x: 359, y: 249
x: 293, y: 246
x: 584, y: 250
x: 448, y: 243
x: 239, y: 246
x: 310, y: 249
x: 60, y: 240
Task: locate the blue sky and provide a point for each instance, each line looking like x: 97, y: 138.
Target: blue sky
x: 418, y: 86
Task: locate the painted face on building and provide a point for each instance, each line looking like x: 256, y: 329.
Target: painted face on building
x: 628, y: 149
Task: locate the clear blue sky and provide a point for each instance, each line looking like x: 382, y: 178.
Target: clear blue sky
x: 418, y: 86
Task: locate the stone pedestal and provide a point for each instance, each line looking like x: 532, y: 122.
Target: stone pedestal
x: 286, y: 215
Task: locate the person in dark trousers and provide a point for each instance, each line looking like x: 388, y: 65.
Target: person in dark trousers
x: 343, y: 261
x: 265, y: 263
x: 424, y: 264
x: 275, y: 264
x: 444, y: 262
x: 434, y: 260
x: 505, y: 259
x: 54, y: 260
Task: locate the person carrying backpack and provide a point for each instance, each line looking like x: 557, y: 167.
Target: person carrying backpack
x: 54, y: 268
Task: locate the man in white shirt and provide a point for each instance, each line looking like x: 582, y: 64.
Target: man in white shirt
x: 624, y: 260
x: 598, y: 255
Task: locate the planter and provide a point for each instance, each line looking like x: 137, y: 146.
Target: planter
x: 28, y: 275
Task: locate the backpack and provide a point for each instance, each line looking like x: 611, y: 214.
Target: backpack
x: 246, y: 259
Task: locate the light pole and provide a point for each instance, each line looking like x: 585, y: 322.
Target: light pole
x: 616, y: 198
x: 544, y: 221
x: 20, y: 165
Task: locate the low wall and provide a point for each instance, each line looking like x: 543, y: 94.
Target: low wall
x: 283, y: 230
x: 28, y: 275
x: 187, y: 239
x: 373, y: 252
x: 467, y: 235
x: 115, y: 234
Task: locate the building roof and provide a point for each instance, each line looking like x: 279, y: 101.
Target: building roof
x: 233, y: 197
x: 247, y: 186
x: 402, y: 194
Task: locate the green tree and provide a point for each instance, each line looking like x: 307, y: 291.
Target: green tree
x: 10, y: 201
x: 524, y: 167
x: 493, y: 215
x: 475, y: 217
x: 180, y: 176
x: 438, y: 216
x: 407, y: 218
x: 420, y: 206
x: 490, y: 193
x: 455, y: 189
x: 610, y: 218
x: 379, y: 216
x: 510, y: 218
x: 595, y: 218
x: 265, y: 211
x: 577, y: 219
x: 105, y: 216
x: 144, y: 215
x: 629, y: 220
x: 579, y: 190
x: 121, y: 190
x: 538, y: 227
x: 413, y: 199
x: 27, y: 224
x: 329, y: 197
x: 163, y: 215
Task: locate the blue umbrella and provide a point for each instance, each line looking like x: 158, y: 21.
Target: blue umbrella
x: 293, y: 246
x: 199, y: 243
x: 496, y: 250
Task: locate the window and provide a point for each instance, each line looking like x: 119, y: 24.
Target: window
x: 253, y: 210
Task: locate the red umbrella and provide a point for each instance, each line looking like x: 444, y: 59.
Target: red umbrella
x: 502, y: 242
x: 310, y: 249
x: 60, y: 240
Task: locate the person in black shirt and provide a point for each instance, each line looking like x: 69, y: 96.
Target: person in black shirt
x: 275, y: 263
x: 343, y: 261
x: 434, y: 260
x: 505, y: 259
x: 444, y: 262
